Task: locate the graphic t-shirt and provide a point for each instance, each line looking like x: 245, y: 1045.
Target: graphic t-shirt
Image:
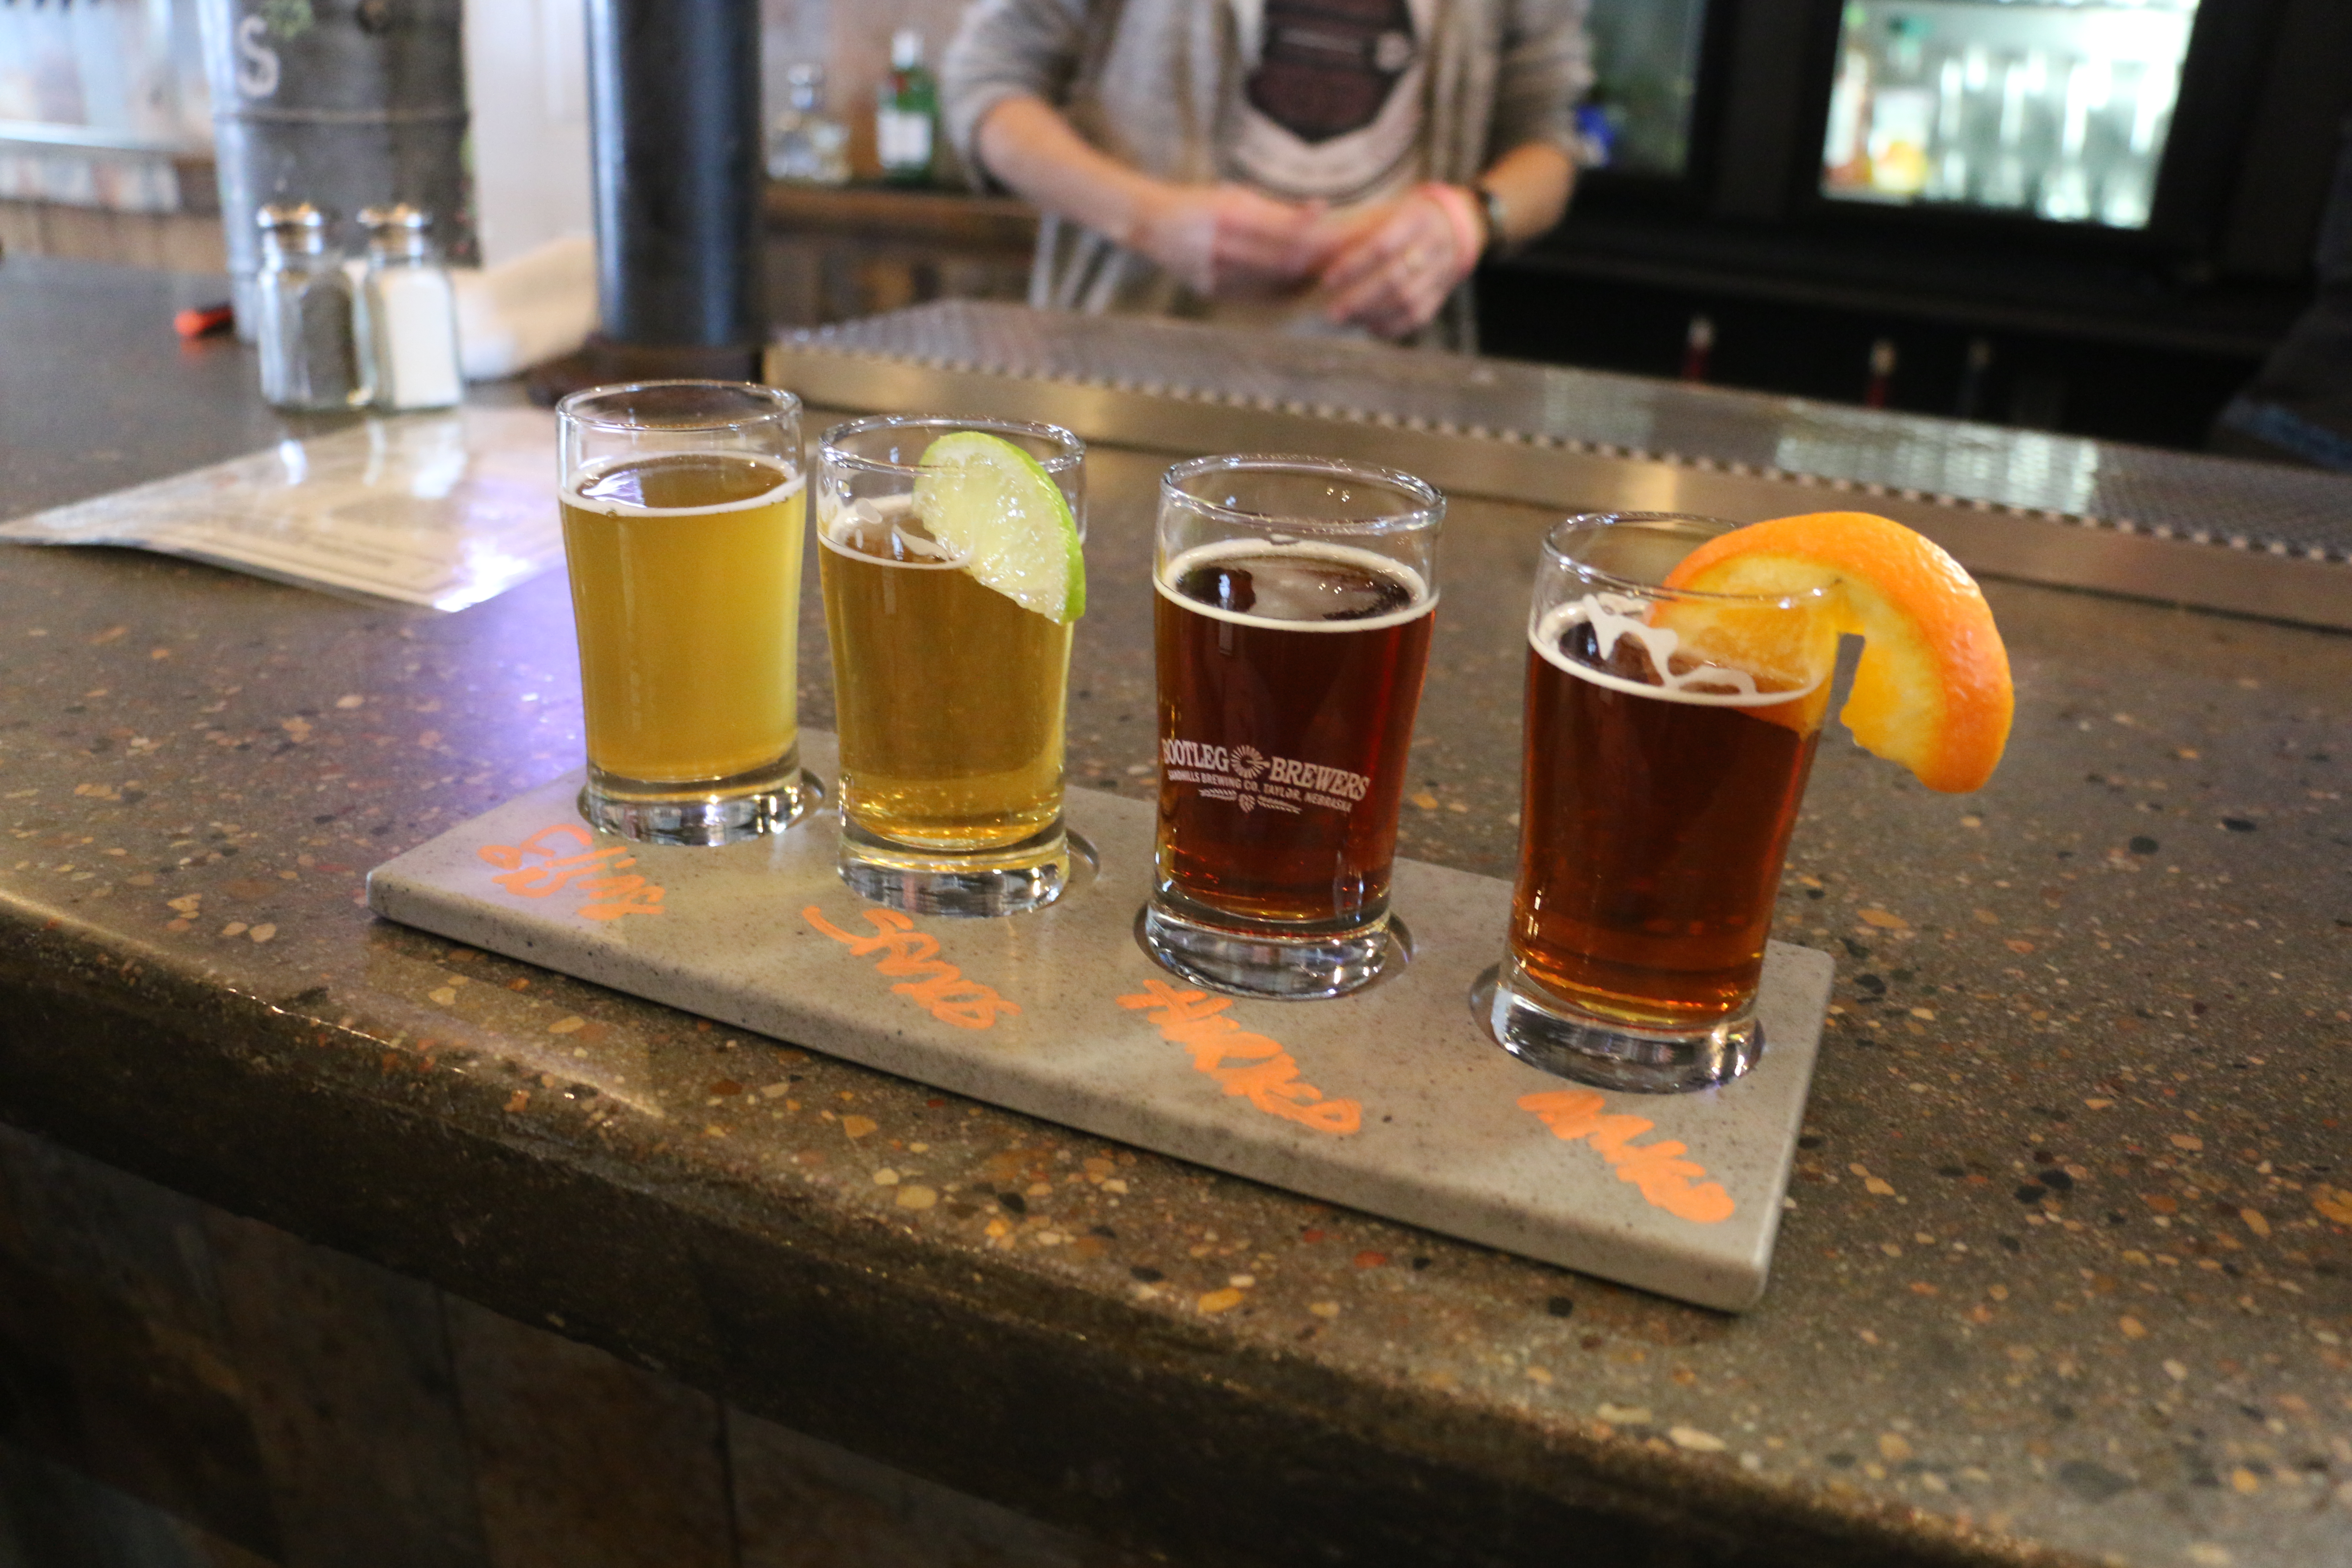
x: 1333, y: 103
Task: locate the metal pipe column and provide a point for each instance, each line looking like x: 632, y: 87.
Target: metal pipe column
x: 673, y: 123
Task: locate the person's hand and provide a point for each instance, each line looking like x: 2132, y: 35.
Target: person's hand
x: 1396, y: 264
x: 1228, y: 240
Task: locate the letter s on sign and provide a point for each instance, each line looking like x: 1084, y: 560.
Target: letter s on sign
x: 256, y: 62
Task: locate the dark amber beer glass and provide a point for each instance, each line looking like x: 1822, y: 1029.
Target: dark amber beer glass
x: 1668, y: 739
x: 1292, y: 623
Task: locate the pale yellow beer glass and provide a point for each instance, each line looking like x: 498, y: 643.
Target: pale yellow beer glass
x: 683, y: 504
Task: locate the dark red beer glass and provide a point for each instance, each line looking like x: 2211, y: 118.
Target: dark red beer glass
x: 1292, y: 624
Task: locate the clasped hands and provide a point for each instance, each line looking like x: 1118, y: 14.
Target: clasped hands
x: 1386, y: 269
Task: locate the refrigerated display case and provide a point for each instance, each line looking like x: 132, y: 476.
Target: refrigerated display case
x: 2096, y: 217
x: 1645, y: 58
x: 2058, y: 110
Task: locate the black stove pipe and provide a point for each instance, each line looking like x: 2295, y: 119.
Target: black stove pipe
x: 674, y: 129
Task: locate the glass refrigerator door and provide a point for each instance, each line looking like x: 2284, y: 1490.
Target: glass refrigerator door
x: 2054, y: 111
x: 1645, y: 65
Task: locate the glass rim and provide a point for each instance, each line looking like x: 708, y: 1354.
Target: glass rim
x: 1429, y: 514
x: 1586, y: 523
x: 1071, y: 454
x: 782, y: 405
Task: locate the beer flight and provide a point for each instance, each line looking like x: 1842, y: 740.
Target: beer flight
x: 1679, y: 672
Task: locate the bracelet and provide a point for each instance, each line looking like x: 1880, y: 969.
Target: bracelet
x: 1490, y: 206
x: 1461, y: 213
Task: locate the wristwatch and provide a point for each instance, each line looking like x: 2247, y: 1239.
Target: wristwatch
x: 1490, y: 208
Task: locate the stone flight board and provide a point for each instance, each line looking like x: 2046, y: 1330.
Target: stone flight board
x: 1392, y: 1101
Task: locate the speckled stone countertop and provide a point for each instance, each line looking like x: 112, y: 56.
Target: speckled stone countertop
x: 2067, y: 1277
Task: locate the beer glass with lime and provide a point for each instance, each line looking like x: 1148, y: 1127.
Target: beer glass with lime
x: 953, y: 573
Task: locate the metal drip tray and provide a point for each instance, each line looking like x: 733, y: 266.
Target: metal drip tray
x: 2213, y: 532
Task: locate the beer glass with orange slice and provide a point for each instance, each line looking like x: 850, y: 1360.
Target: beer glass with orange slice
x: 1678, y: 675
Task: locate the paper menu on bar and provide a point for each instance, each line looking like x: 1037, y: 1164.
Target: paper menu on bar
x: 442, y: 510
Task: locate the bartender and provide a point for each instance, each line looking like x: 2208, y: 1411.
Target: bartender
x: 2299, y: 407
x: 1320, y: 166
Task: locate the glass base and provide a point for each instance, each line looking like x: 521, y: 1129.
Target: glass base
x: 1270, y: 964
x: 1543, y: 1031
x: 716, y: 811
x: 1008, y: 881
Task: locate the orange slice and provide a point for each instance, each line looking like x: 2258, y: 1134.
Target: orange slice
x: 1932, y: 690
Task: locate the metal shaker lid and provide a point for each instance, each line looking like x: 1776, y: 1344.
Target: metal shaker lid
x: 292, y: 225
x: 396, y: 215
x: 290, y: 214
x: 396, y: 229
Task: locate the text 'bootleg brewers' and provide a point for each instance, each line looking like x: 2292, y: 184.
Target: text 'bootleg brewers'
x: 1245, y: 772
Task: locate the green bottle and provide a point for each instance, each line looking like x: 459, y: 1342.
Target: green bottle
x: 907, y: 113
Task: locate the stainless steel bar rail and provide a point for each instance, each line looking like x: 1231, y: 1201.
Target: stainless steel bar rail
x: 2210, y: 532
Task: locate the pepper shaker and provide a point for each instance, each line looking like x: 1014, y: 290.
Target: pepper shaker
x: 309, y: 359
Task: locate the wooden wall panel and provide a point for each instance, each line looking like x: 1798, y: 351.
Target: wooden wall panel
x: 584, y: 1461
x: 181, y: 242
x: 52, y: 1516
x: 183, y: 1388
x: 348, y: 1383
x: 803, y: 1503
x: 114, y: 1354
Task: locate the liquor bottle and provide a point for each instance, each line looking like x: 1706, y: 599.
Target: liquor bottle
x: 1844, y: 164
x: 2130, y: 185
x: 1880, y: 387
x: 2066, y: 187
x: 1902, y: 112
x: 1698, y: 347
x: 806, y: 144
x: 906, y: 112
x: 2015, y: 167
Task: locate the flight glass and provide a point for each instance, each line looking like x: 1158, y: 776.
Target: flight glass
x: 1291, y: 626
x: 951, y: 696
x: 683, y: 505
x: 1668, y: 736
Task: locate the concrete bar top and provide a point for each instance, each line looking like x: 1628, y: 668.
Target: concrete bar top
x: 2066, y: 1278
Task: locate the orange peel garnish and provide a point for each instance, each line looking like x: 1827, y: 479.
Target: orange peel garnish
x: 1932, y: 690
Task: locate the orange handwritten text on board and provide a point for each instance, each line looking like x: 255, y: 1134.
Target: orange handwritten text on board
x: 538, y: 867
x: 938, y: 988
x: 1251, y: 1065
x: 1667, y: 1178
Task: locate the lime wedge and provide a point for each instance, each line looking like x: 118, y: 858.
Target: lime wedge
x: 982, y: 496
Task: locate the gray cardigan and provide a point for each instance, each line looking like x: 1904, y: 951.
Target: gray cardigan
x: 1151, y: 81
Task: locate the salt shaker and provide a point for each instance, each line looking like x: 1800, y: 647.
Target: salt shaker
x: 308, y: 361
x: 408, y: 314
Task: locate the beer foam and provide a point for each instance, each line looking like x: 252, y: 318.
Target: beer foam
x: 788, y: 485
x: 836, y: 521
x: 1614, y: 616
x: 1423, y: 599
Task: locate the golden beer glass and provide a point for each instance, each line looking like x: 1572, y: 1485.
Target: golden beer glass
x: 950, y: 696
x: 683, y: 504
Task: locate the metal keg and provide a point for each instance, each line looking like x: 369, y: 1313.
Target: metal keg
x: 344, y: 104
